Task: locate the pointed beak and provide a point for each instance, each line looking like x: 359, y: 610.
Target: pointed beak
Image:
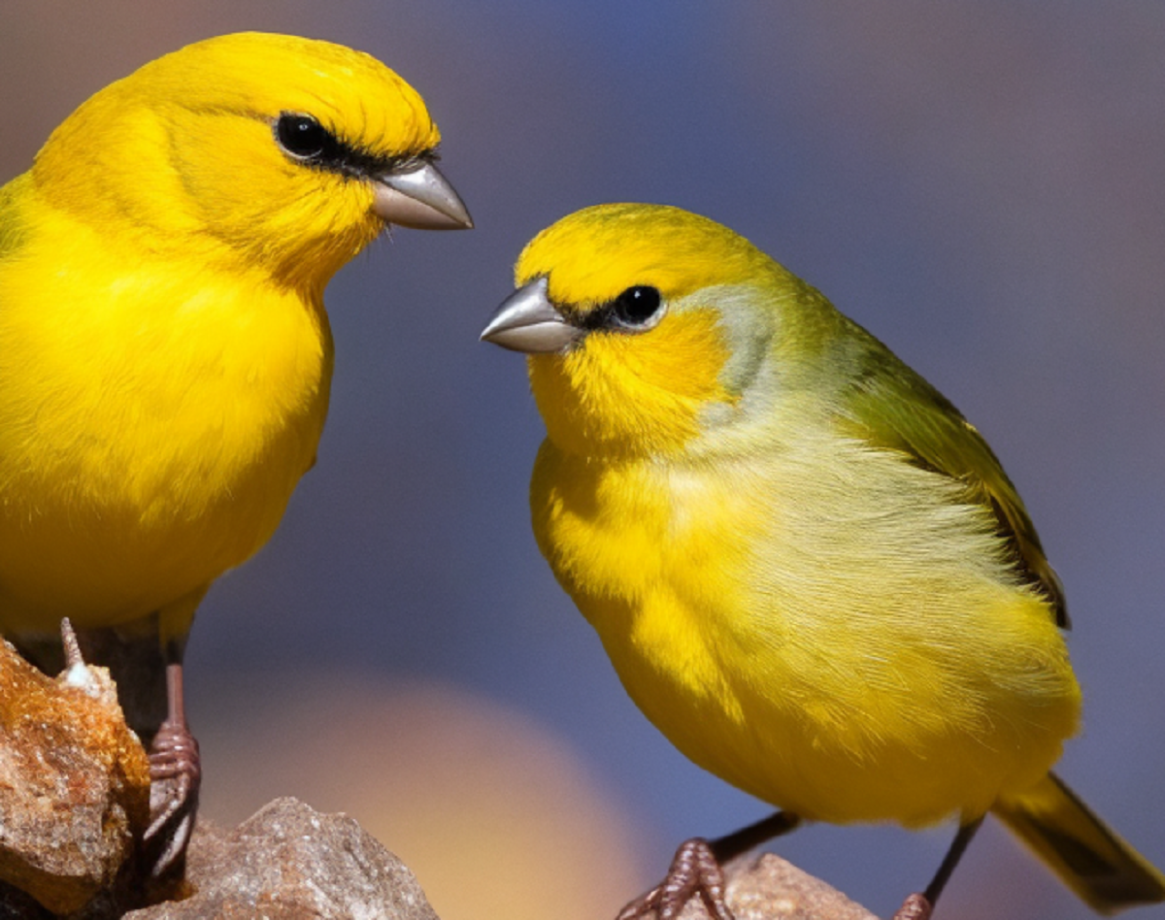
x: 527, y: 321
x: 418, y: 196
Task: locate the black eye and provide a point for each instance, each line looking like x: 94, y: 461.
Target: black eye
x: 301, y: 136
x: 637, y: 305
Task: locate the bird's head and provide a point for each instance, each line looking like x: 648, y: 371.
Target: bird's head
x: 646, y: 325
x: 279, y: 151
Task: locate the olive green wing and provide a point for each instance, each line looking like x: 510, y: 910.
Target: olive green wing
x: 892, y: 407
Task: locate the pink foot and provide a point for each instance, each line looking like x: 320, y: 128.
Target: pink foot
x: 175, y: 777
x: 915, y: 907
x: 694, y: 873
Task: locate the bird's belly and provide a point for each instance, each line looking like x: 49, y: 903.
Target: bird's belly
x: 111, y: 513
x: 841, y: 682
x: 119, y: 543
x: 806, y: 731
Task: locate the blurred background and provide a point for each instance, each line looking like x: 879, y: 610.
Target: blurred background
x: 981, y: 185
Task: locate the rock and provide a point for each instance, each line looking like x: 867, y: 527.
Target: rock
x: 74, y: 786
x: 74, y: 797
x: 769, y: 888
x: 289, y: 862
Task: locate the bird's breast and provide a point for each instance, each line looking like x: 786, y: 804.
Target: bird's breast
x: 153, y: 425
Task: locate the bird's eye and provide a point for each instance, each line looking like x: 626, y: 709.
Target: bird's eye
x: 637, y: 306
x: 301, y: 136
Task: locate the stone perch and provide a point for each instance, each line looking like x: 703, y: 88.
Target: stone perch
x: 74, y: 801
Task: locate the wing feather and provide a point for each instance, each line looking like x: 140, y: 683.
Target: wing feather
x: 892, y: 407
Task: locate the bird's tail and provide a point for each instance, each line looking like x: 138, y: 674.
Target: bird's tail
x: 1087, y: 855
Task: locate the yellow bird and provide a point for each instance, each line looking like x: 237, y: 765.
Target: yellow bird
x: 808, y: 569
x: 165, y: 355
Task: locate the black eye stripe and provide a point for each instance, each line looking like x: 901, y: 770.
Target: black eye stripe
x: 305, y: 140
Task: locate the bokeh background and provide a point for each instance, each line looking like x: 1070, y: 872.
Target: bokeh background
x: 980, y: 184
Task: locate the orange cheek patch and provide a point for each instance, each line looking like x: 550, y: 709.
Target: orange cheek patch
x: 629, y: 394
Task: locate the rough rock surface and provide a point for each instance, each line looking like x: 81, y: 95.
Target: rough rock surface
x: 769, y: 888
x: 74, y: 796
x: 289, y: 862
x: 74, y: 786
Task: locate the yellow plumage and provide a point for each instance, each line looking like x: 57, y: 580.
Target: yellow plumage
x: 165, y: 356
x: 806, y: 646
x: 807, y: 569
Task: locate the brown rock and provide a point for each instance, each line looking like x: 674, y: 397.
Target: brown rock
x: 289, y: 862
x: 771, y: 889
x: 74, y: 784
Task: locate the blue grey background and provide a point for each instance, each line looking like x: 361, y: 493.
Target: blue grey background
x: 981, y: 185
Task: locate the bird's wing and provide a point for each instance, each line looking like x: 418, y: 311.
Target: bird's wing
x: 892, y: 407
x: 12, y: 228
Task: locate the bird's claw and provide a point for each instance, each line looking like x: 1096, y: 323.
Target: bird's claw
x: 175, y: 778
x: 915, y: 907
x: 694, y: 873
x: 174, y: 753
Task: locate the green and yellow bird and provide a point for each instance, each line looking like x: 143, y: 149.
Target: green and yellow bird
x: 165, y: 355
x: 808, y: 569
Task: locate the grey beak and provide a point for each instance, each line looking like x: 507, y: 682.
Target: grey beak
x: 527, y: 321
x: 418, y: 196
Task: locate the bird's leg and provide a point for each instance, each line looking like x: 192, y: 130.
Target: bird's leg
x: 696, y: 872
x: 175, y: 776
x: 920, y: 905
